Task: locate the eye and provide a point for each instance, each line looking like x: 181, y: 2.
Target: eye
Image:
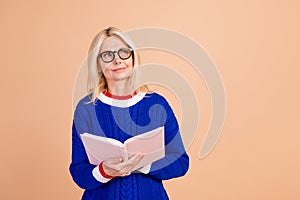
x: 124, y: 52
x: 107, y: 54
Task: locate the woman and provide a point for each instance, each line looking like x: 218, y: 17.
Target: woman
x: 114, y: 108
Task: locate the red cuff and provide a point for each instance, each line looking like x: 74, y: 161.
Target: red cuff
x: 103, y: 173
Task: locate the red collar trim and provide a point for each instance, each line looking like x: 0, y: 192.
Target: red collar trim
x: 106, y: 93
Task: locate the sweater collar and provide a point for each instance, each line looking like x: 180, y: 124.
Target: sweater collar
x: 125, y: 97
x: 121, y: 101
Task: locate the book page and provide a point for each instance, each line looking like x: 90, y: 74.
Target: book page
x: 99, y: 148
x: 151, y: 144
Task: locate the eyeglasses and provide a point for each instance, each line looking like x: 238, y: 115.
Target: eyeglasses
x: 109, y: 56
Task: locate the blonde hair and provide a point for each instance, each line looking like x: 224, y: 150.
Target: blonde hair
x: 96, y: 79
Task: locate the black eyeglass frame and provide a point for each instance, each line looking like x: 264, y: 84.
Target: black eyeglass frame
x: 113, y: 53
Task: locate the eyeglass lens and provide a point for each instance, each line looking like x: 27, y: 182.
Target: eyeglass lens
x: 108, y: 56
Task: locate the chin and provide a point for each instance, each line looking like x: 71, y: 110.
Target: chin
x: 122, y: 76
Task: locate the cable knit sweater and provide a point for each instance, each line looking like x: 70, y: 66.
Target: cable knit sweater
x: 122, y: 119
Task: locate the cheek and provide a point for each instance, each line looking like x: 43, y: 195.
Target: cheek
x: 129, y: 62
x: 104, y: 66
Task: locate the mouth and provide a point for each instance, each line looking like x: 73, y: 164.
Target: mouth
x: 119, y: 69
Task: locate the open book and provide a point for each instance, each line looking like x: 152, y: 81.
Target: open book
x: 151, y: 144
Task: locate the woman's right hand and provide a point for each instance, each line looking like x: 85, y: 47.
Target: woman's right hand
x: 116, y: 166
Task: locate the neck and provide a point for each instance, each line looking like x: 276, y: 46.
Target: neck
x: 119, y: 88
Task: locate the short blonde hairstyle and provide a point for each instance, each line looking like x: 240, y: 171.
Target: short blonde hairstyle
x: 96, y: 79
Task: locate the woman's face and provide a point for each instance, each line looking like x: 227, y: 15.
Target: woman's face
x: 118, y: 69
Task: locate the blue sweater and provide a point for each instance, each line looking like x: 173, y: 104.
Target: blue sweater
x: 122, y: 119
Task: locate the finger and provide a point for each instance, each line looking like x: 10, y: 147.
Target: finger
x: 132, y: 162
x: 113, y: 160
x: 108, y: 170
x: 115, y: 166
x: 115, y: 173
x: 127, y: 166
x: 113, y: 163
x: 125, y: 173
x: 136, y: 158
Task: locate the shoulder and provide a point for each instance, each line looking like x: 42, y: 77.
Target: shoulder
x: 160, y: 106
x: 85, y: 100
x: 156, y: 98
x: 84, y: 103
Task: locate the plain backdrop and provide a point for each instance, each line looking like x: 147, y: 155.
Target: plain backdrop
x: 255, y: 45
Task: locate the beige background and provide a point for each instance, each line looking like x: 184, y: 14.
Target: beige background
x: 253, y: 43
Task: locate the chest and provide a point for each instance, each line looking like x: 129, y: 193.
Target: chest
x: 123, y: 123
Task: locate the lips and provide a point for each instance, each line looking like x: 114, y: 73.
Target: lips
x: 119, y: 69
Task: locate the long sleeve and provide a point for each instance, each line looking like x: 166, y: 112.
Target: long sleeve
x: 176, y: 161
x: 80, y: 168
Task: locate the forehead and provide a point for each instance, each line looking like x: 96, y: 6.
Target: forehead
x: 112, y: 43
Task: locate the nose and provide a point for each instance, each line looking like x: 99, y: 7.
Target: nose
x: 117, y: 59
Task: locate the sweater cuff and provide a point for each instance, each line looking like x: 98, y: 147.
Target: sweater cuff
x: 145, y: 169
x: 97, y: 175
